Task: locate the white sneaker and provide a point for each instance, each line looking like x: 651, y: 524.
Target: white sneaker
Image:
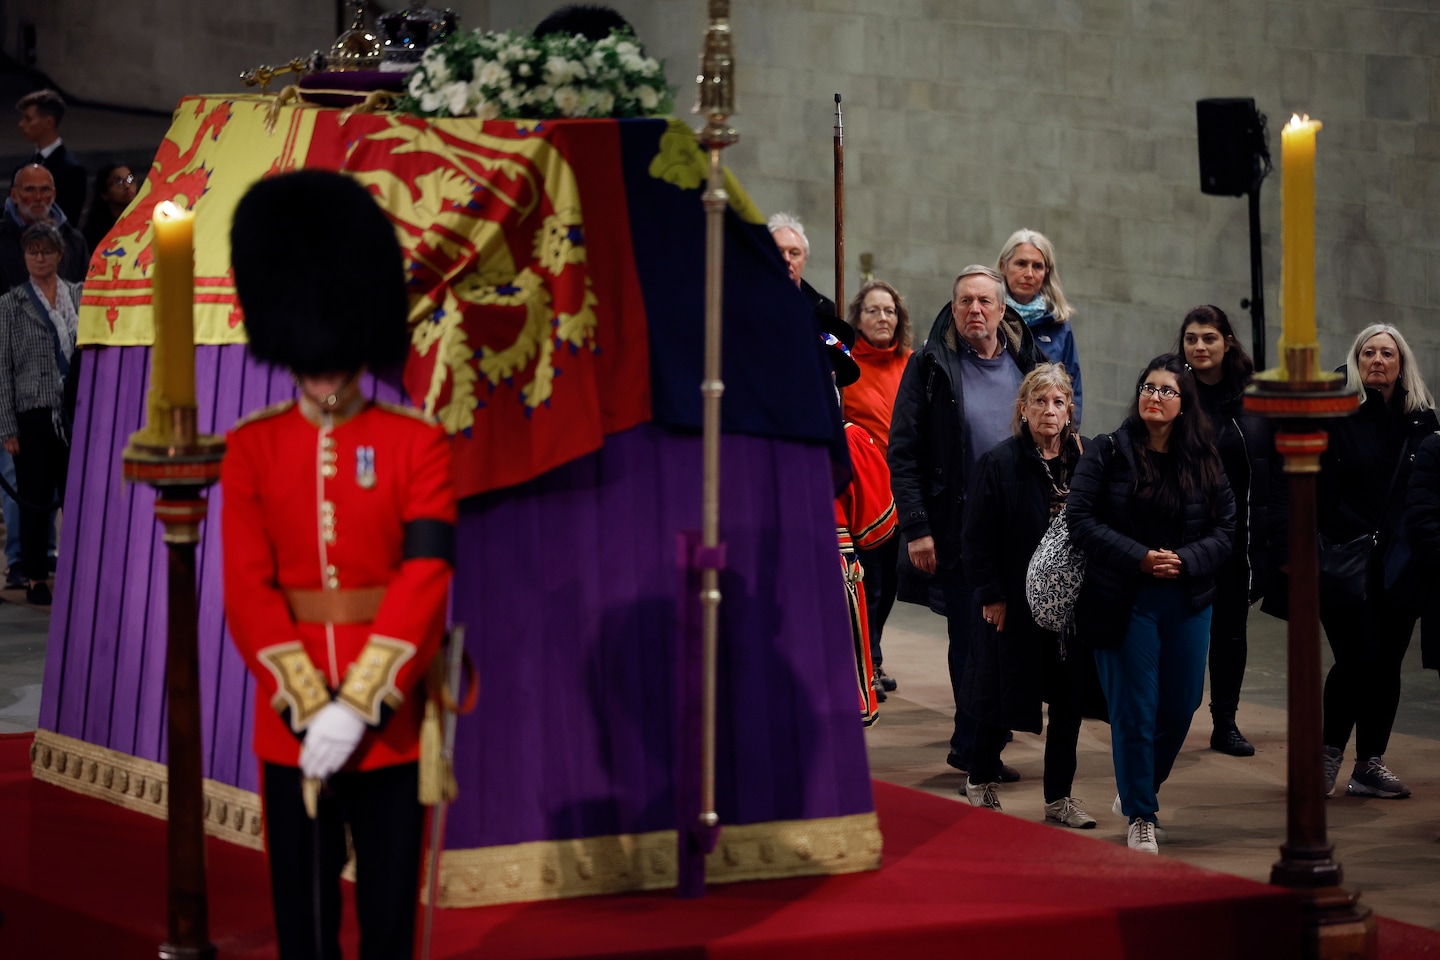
x: 1142, y: 836
x: 1332, y: 758
x: 1160, y: 835
x: 982, y: 794
x: 1068, y: 813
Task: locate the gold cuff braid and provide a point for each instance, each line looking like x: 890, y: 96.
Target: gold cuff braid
x: 301, y: 687
x: 370, y: 681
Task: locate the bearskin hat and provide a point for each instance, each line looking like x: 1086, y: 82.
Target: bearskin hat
x: 319, y: 274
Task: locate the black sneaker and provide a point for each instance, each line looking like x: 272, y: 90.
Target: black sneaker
x: 1229, y: 740
x: 38, y: 594
x: 1373, y: 779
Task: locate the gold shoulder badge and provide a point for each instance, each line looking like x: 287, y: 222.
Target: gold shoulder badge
x: 264, y: 413
x: 411, y: 412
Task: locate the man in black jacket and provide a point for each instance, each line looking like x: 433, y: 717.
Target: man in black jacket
x: 40, y: 116
x: 954, y: 403
x: 32, y: 200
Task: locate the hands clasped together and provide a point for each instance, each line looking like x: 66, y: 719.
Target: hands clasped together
x: 1162, y: 564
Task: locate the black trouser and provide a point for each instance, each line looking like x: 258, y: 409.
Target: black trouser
x: 40, y: 469
x: 1062, y: 685
x: 1362, y: 690
x: 1228, y: 646
x: 386, y: 822
x: 961, y: 615
x: 882, y: 582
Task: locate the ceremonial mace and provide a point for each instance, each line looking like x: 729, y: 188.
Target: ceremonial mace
x: 170, y: 455
x: 697, y: 822
x: 1300, y: 397
x: 839, y: 211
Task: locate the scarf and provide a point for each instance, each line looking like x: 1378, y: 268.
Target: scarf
x: 1032, y: 312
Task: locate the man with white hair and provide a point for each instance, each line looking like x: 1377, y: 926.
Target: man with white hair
x: 789, y: 235
x: 954, y: 403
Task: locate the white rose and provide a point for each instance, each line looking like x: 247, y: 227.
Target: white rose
x: 647, y: 96
x: 493, y: 75
x: 604, y: 103
x: 456, y: 97
x: 556, y: 72
x: 632, y: 63
x: 439, y: 71
x: 567, y: 101
x: 430, y: 101
x: 417, y: 84
x: 523, y: 70
x: 627, y: 49
x: 486, y: 110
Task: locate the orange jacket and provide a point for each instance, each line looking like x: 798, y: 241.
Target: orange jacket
x: 870, y: 401
x: 348, y: 520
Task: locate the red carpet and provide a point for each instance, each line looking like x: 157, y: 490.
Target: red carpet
x: 84, y: 878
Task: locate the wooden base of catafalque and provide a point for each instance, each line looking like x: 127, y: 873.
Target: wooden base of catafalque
x: 1336, y: 924
x: 180, y: 471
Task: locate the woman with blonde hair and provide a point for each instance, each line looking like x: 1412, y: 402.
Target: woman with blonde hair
x: 1034, y: 296
x: 882, y: 347
x: 1361, y: 497
x: 1014, y: 664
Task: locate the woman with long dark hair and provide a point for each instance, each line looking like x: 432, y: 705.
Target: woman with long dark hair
x: 1222, y: 371
x: 1150, y: 508
x: 1361, y: 493
x: 115, y: 187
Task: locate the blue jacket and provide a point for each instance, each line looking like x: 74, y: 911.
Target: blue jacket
x: 1056, y: 340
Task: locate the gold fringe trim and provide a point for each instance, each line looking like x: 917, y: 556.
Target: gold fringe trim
x: 135, y: 784
x: 553, y: 869
x: 484, y: 876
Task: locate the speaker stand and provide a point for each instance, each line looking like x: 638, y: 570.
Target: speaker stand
x: 1256, y: 303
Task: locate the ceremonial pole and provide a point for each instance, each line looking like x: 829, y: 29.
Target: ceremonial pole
x: 839, y: 211
x: 1301, y: 398
x: 698, y: 831
x: 169, y: 454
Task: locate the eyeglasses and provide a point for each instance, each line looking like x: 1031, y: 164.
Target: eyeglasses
x: 1164, y: 393
x: 116, y: 181
x: 879, y: 311
x: 41, y: 252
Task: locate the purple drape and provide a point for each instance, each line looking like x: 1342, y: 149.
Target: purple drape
x: 567, y: 586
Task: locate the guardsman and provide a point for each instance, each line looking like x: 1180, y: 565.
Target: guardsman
x: 338, y: 522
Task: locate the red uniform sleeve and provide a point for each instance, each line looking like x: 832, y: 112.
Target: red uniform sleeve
x: 871, y: 507
x: 406, y: 632
x: 255, y: 609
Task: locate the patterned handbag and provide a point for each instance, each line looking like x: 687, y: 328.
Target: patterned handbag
x: 1053, y: 579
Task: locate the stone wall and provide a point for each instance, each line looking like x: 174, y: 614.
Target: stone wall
x: 965, y: 120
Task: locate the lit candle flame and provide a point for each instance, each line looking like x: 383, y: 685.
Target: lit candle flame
x: 1298, y: 119
x: 167, y: 210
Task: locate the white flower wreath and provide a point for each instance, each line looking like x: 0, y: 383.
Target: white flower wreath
x: 516, y: 76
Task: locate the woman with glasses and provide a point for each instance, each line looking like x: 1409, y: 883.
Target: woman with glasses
x: 1150, y: 508
x: 115, y: 187
x: 38, y: 326
x: 1033, y: 295
x: 1222, y: 371
x: 881, y: 349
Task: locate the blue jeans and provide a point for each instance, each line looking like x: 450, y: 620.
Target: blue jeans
x: 1154, y: 682
x: 11, y: 512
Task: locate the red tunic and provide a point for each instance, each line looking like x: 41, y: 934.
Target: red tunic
x: 314, y: 518
x: 864, y: 519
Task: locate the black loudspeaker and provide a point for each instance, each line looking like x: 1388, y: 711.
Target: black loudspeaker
x: 1232, y: 137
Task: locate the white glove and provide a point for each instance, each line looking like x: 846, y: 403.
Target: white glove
x: 333, y: 735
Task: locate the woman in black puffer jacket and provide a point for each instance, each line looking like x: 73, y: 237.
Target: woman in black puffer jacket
x: 1150, y: 508
x: 1361, y: 493
x: 1222, y: 371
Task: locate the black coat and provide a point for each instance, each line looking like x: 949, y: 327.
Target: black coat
x: 1006, y: 514
x: 1422, y: 529
x: 1101, y: 519
x: 1247, y: 449
x: 927, y: 449
x: 71, y: 182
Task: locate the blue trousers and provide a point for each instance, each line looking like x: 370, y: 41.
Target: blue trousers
x: 1154, y: 682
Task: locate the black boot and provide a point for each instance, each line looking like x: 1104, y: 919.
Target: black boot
x: 1228, y: 739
